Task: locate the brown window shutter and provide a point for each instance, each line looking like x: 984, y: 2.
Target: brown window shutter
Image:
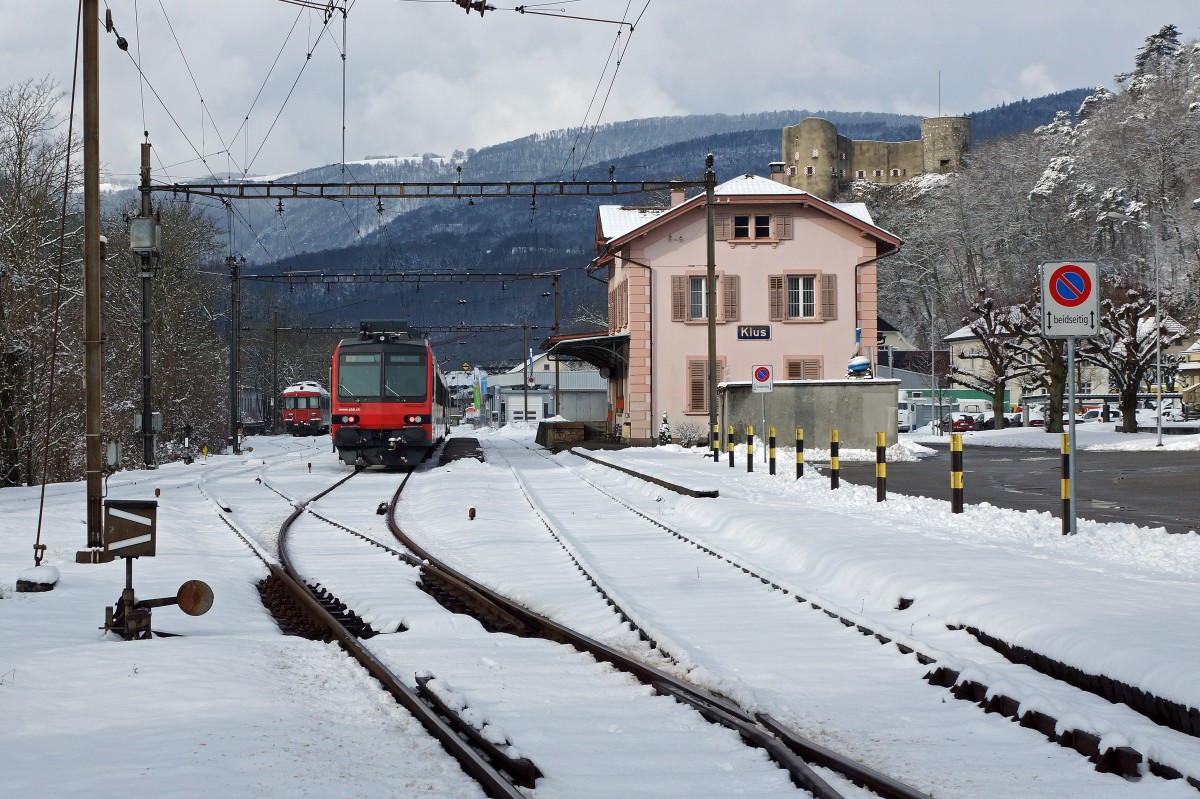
x: 697, y: 386
x: 613, y: 322
x: 730, y: 286
x: 783, y: 226
x: 828, y: 297
x: 679, y: 298
x: 804, y: 369
x: 722, y: 227
x: 775, y: 300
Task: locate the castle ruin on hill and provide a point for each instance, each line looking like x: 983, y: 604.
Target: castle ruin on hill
x: 818, y: 160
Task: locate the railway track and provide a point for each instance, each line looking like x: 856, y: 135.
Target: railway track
x: 962, y: 664
x: 325, y: 541
x: 555, y: 505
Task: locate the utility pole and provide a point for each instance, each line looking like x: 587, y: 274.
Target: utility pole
x: 525, y: 367
x: 144, y: 238
x: 710, y: 288
x: 235, y: 315
x: 92, y: 333
x: 557, y: 382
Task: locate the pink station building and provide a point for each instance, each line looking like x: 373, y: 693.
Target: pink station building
x: 796, y: 277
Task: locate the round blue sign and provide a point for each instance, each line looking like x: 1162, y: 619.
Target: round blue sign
x: 1070, y: 285
x: 762, y: 374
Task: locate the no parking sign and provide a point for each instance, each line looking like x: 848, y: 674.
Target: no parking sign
x: 1070, y: 299
x: 763, y: 381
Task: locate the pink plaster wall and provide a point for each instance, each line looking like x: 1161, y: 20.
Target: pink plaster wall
x: 820, y: 243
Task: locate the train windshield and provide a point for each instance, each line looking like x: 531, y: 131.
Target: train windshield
x: 399, y: 377
x: 404, y: 376
x: 358, y: 376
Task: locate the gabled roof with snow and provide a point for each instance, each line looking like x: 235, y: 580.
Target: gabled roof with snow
x: 617, y: 222
x: 965, y: 333
x: 754, y: 184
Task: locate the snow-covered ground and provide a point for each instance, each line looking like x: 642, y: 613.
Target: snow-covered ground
x: 1088, y: 436
x: 234, y: 709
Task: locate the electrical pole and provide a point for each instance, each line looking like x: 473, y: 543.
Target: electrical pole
x: 235, y: 313
x: 143, y: 240
x: 557, y: 383
x: 526, y: 365
x: 92, y: 334
x: 710, y: 289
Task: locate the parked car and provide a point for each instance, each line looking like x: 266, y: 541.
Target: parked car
x: 985, y: 421
x: 958, y: 423
x: 1097, y: 415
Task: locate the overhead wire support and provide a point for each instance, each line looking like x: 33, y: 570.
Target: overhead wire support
x: 474, y: 5
x: 399, y: 277
x: 528, y: 10
x: 337, y: 191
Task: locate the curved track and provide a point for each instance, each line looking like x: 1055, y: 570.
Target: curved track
x: 370, y: 583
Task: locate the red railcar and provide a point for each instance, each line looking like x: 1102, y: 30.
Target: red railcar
x: 390, y: 401
x: 306, y: 409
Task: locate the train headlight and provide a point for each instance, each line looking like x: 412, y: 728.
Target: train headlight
x: 346, y: 418
x: 413, y: 419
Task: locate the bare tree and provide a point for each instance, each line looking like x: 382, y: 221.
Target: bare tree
x: 1126, y: 347
x: 995, y: 330
x: 33, y: 178
x: 189, y: 359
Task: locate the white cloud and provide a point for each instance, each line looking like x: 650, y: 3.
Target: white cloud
x: 425, y: 77
x: 1035, y: 81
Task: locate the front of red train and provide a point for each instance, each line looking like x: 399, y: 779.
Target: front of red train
x: 382, y: 414
x: 305, y: 409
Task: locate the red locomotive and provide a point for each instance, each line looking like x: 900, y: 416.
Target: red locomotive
x: 306, y: 409
x: 390, y: 401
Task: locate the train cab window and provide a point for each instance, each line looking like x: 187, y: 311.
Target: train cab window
x: 358, y: 376
x: 404, y: 377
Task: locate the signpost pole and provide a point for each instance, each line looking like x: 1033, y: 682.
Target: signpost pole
x: 1071, y: 428
x: 763, y: 397
x: 1070, y: 309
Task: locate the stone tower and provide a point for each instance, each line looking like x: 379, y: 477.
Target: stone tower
x: 944, y: 140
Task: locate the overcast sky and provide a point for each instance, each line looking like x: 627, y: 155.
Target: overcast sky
x: 424, y: 76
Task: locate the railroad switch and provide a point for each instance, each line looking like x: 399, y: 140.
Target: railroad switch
x: 129, y: 533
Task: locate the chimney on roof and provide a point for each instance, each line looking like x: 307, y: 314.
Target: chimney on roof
x: 677, y: 194
x: 778, y: 171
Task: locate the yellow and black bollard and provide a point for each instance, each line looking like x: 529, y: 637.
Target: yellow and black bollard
x: 880, y: 467
x: 1066, y: 484
x: 729, y: 445
x: 834, y: 463
x: 749, y: 448
x: 716, y: 443
x: 799, y: 452
x: 956, y: 473
x: 771, y: 450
